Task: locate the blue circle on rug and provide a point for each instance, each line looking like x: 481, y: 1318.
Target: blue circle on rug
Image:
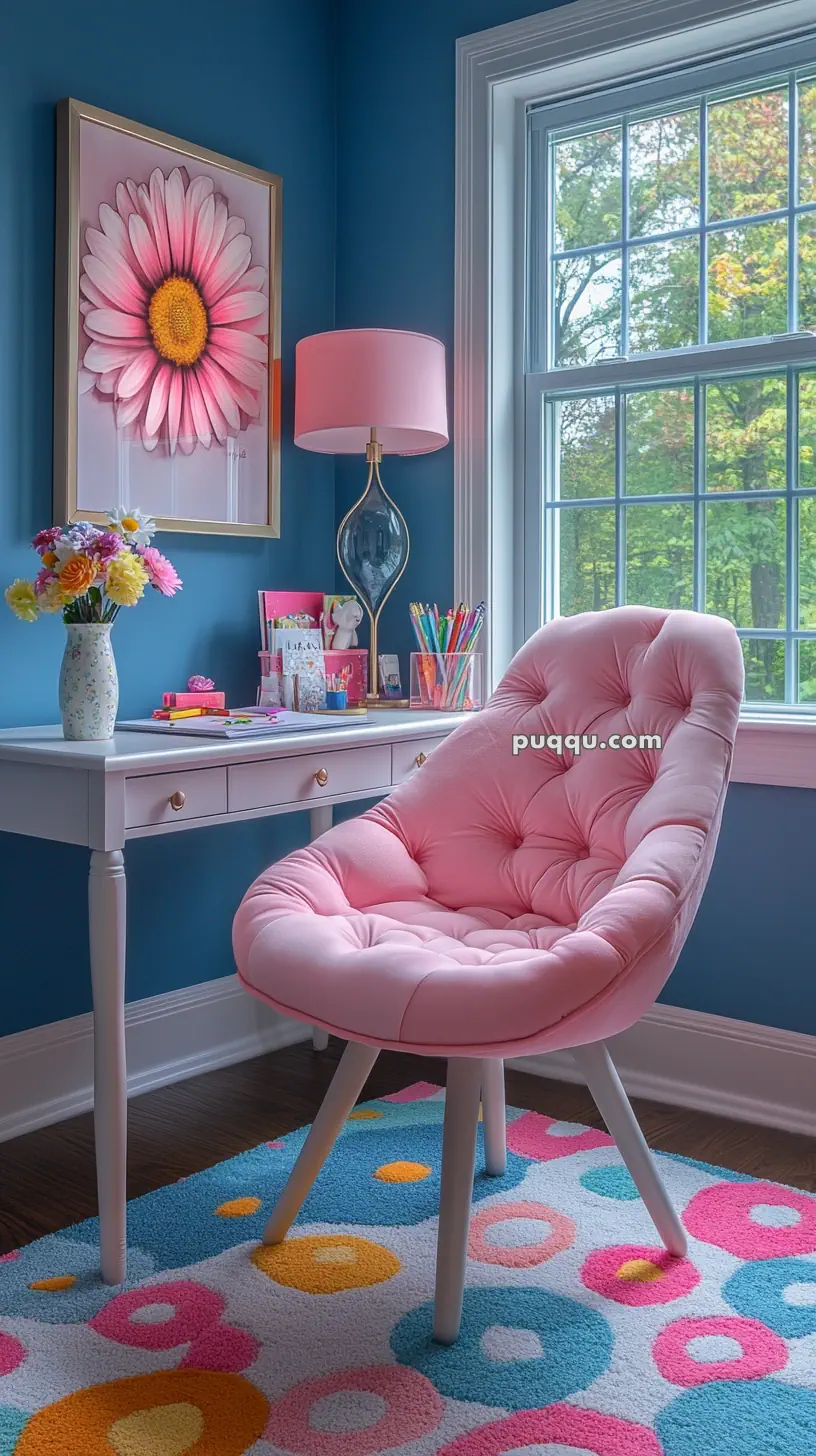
x: 756, y: 1290
x: 610, y: 1182
x: 517, y: 1347
x: 739, y: 1418
x: 12, y: 1422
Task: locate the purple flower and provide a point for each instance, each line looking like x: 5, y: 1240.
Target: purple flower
x: 106, y: 545
x: 197, y: 684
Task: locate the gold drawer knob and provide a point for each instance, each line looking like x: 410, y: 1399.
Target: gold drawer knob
x: 177, y: 800
x: 420, y: 759
x: 322, y: 777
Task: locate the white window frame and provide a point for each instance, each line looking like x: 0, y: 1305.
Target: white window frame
x: 568, y: 51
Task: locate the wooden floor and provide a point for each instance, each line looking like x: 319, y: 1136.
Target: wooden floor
x: 47, y: 1177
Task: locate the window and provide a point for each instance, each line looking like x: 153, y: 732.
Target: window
x: 670, y: 390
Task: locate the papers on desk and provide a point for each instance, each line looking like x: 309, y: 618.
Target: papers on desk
x: 257, y: 727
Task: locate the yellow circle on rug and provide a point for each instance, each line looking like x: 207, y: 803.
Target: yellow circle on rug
x: 403, y: 1172
x: 326, y: 1263
x: 169, y: 1413
x: 55, y: 1285
x: 639, y: 1271
x: 238, y: 1207
x: 365, y: 1114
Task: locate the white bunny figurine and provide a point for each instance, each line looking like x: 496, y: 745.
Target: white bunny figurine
x: 347, y: 617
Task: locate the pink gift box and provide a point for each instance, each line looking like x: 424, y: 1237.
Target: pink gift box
x: 355, y: 657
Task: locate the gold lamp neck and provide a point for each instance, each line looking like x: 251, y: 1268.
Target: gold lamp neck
x: 373, y: 449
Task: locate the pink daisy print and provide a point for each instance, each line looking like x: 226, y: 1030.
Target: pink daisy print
x: 177, y: 318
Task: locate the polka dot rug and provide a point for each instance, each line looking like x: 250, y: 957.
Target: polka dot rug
x: 580, y: 1336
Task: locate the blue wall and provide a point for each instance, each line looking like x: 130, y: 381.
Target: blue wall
x: 750, y: 953
x: 264, y: 94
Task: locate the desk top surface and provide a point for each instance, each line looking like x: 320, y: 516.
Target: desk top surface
x: 134, y: 752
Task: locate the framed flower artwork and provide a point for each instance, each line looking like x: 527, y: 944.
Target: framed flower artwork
x: 167, y: 330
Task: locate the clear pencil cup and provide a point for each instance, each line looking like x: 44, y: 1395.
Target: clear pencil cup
x: 451, y: 682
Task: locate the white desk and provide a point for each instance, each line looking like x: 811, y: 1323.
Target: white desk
x: 137, y: 784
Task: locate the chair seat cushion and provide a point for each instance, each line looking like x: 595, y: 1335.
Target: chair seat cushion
x: 411, y: 973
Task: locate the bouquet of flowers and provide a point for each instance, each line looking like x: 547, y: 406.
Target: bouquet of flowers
x: 88, y: 572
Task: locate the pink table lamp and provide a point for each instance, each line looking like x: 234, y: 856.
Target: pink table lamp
x: 372, y: 392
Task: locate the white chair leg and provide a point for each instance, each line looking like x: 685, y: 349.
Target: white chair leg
x: 458, y: 1164
x: 599, y: 1072
x: 346, y: 1086
x: 494, y: 1117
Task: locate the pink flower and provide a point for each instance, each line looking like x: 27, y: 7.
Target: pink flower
x: 198, y: 684
x: 107, y: 545
x: 45, y: 540
x: 163, y: 575
x: 176, y: 316
x: 43, y: 579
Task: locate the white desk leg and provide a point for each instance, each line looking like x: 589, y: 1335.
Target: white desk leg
x: 107, y: 917
x: 320, y: 819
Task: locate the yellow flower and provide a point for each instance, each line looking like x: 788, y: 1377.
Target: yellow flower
x: 52, y: 598
x: 77, y: 576
x: 126, y: 579
x: 22, y: 599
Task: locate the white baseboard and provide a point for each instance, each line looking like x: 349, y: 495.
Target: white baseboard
x: 709, y: 1063
x: 46, y: 1074
x: 686, y: 1058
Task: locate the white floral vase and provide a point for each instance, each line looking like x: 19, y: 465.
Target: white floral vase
x: 88, y: 684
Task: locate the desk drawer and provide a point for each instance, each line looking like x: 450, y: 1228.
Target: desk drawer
x: 309, y: 777
x: 409, y: 755
x: 168, y: 797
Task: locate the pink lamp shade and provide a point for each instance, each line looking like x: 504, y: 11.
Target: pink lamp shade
x: 352, y: 380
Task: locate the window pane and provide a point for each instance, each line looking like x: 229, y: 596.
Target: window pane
x: 587, y: 172
x: 764, y: 670
x: 807, y: 141
x: 745, y: 434
x: 587, y: 302
x: 584, y: 447
x: 663, y: 291
x: 660, y: 554
x: 745, y: 562
x: 748, y: 155
x: 660, y: 441
x: 586, y: 556
x: 807, y: 562
x: 807, y: 430
x: 664, y: 173
x: 747, y: 282
x: 807, y: 672
x: 806, y: 228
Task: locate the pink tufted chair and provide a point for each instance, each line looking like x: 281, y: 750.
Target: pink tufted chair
x: 502, y: 903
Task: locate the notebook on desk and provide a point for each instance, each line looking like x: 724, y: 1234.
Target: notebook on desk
x: 284, y: 721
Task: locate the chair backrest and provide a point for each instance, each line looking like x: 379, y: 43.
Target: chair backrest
x: 516, y: 811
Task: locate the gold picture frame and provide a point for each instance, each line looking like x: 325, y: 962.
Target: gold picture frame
x: 166, y: 439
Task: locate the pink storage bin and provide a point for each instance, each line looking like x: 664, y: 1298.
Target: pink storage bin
x: 356, y: 657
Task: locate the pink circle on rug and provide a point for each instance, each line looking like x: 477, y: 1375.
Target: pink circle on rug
x: 524, y: 1256
x: 414, y: 1409
x: 763, y: 1352
x: 721, y: 1215
x: 564, y: 1425
x: 7, y: 1258
x: 12, y: 1353
x: 530, y: 1136
x: 195, y: 1310
x: 635, y: 1274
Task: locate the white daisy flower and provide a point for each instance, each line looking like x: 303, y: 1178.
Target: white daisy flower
x: 133, y: 525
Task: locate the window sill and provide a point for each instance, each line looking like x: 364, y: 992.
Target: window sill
x: 776, y: 749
